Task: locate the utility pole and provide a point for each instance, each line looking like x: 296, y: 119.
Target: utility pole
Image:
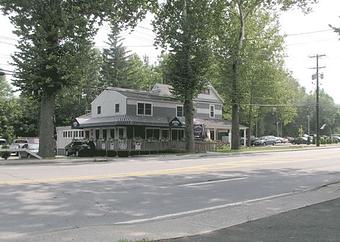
x: 317, y: 96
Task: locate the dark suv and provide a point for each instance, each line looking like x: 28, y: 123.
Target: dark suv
x: 78, y: 146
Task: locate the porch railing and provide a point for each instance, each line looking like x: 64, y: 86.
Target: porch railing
x: 152, y: 146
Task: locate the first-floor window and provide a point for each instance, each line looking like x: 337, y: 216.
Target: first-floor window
x: 104, y: 134
x: 112, y: 133
x: 121, y: 133
x: 177, y: 134
x: 97, y: 134
x: 152, y: 134
x: 165, y: 134
x: 64, y: 134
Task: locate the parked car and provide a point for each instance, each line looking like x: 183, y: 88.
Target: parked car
x: 18, y: 143
x: 3, y: 142
x: 76, y: 147
x: 252, y: 140
x: 300, y: 140
x: 265, y: 140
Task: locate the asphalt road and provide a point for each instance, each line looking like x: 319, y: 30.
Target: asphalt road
x: 43, y: 199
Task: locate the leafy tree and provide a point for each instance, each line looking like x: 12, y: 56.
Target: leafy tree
x: 76, y: 100
x: 141, y: 74
x: 183, y: 27
x: 232, y: 18
x: 26, y: 123
x: 5, y: 88
x: 55, y: 42
x: 8, y: 108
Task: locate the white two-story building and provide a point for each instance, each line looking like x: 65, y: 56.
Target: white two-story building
x: 120, y: 114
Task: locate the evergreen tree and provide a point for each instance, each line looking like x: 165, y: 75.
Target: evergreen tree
x: 115, y: 61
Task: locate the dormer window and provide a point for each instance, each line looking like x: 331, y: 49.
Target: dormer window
x: 99, y: 109
x: 212, y: 111
x: 144, y: 109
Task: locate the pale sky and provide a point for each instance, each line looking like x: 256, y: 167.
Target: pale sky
x: 307, y: 35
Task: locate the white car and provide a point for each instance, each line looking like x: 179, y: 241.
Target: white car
x: 17, y: 144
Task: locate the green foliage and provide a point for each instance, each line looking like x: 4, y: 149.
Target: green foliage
x: 183, y: 27
x: 115, y: 61
x: 55, y: 45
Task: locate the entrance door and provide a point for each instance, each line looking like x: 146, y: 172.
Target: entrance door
x: 212, y: 135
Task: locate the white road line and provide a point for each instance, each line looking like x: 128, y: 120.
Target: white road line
x: 211, y: 182
x: 172, y: 215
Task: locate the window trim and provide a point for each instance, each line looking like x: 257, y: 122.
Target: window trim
x: 214, y: 110
x: 141, y: 102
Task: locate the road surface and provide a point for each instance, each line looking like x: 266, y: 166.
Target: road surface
x: 70, y: 201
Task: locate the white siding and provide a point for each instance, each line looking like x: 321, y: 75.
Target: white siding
x: 107, y: 101
x: 63, y: 141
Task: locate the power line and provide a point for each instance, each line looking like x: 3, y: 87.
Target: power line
x: 310, y: 32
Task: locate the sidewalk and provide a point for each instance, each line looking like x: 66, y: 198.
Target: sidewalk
x: 170, y: 156
x: 320, y: 222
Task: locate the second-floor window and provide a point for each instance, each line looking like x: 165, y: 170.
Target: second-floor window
x: 117, y: 108
x: 212, y: 111
x: 179, y: 111
x: 144, y: 109
x: 99, y: 109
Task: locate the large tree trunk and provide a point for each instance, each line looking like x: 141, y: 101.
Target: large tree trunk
x: 235, y: 129
x: 250, y: 121
x: 46, y: 128
x: 189, y: 126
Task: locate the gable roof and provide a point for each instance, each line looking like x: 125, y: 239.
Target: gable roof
x: 143, y: 95
x: 160, y: 92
